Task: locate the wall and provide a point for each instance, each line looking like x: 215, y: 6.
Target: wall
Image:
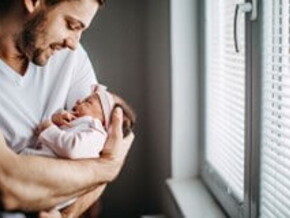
x: 129, y: 47
x: 159, y: 99
x: 185, y: 82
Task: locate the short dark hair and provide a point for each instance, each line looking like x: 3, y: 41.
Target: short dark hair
x: 53, y: 2
x: 7, y: 5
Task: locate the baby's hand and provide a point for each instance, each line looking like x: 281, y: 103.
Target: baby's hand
x: 43, y: 126
x: 63, y: 118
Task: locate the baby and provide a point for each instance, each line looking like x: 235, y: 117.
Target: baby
x: 81, y: 133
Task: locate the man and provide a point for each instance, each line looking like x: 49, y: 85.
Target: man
x: 39, y: 74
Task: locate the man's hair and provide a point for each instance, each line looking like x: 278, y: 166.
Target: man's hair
x: 7, y: 5
x: 54, y: 2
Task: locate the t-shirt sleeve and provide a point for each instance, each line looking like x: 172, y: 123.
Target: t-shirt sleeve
x: 83, y: 78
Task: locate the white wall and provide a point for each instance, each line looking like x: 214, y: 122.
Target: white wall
x: 184, y: 56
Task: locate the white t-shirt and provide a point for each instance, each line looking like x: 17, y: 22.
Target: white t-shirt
x: 27, y: 100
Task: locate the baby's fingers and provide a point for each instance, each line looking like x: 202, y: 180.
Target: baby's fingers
x: 66, y: 123
x: 69, y: 117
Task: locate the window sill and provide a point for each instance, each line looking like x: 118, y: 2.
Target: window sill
x: 192, y: 199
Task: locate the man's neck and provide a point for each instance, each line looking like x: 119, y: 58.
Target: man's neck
x: 9, y: 31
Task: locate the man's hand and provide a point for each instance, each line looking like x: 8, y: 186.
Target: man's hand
x: 83, y: 203
x: 50, y: 214
x: 117, y: 147
x: 63, y: 118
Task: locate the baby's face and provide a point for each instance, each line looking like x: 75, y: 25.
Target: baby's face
x: 90, y: 106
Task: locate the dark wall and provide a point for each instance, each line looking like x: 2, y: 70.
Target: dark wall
x: 158, y: 78
x: 128, y: 44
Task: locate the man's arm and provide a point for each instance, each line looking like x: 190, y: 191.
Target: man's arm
x: 83, y: 203
x: 78, y: 207
x: 37, y: 183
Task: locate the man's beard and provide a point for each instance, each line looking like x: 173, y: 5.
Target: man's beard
x: 27, y: 40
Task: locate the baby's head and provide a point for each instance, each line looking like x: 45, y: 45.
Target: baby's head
x: 100, y: 105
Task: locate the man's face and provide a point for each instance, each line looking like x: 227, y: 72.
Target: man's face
x: 55, y: 28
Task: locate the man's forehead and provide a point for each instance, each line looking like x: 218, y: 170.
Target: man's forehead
x: 82, y: 11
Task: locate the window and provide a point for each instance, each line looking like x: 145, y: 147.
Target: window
x: 247, y: 108
x: 225, y: 104
x: 275, y: 149
x: 225, y: 88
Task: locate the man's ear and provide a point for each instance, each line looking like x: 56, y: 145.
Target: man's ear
x: 32, y: 5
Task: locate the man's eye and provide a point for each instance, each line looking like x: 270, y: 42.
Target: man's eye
x: 72, y: 26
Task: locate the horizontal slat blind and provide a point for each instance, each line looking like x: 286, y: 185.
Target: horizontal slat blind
x: 275, y: 153
x: 225, y: 95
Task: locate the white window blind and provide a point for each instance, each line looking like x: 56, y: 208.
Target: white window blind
x: 275, y: 151
x: 225, y: 95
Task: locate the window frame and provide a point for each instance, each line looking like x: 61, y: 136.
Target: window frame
x: 249, y: 208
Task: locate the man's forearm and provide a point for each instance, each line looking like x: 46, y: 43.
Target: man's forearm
x: 83, y: 203
x: 44, y: 182
x: 37, y: 183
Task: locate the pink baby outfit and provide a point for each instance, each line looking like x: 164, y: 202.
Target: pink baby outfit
x: 84, y: 139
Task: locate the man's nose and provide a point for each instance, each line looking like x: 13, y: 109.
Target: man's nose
x: 72, y: 41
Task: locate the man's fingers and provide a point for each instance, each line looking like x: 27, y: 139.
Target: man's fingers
x: 116, y: 124
x: 127, y: 142
x: 117, y: 147
x: 129, y: 139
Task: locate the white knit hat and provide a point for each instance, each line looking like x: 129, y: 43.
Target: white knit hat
x: 107, y: 101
